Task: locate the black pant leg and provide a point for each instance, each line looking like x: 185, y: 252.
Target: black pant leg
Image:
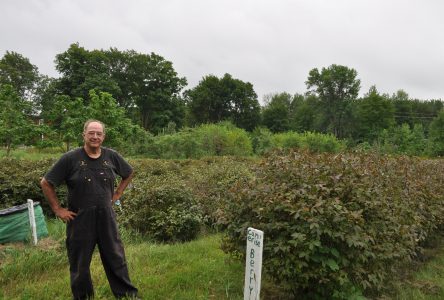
x: 80, y: 243
x: 113, y: 255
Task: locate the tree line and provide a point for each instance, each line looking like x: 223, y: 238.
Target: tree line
x: 138, y: 95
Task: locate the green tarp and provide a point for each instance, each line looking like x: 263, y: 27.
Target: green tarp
x: 14, y: 224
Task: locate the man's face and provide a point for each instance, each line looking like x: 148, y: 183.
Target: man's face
x: 93, y: 135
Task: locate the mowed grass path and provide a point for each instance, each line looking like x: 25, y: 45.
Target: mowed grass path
x: 193, y: 270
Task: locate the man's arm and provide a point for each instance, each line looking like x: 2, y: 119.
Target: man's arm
x: 50, y: 194
x: 121, y: 188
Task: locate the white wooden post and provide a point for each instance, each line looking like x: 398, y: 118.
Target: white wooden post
x: 32, y: 220
x: 253, y: 264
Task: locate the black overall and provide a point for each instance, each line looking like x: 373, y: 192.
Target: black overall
x: 95, y: 223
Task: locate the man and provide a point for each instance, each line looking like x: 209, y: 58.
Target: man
x: 89, y: 173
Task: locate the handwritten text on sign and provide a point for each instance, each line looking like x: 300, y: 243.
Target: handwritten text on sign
x: 253, y: 264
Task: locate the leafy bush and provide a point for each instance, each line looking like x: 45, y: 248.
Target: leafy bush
x: 224, y: 139
x: 261, y: 138
x: 20, y: 180
x: 264, y: 141
x: 288, y: 139
x: 162, y: 208
x: 210, y: 180
x: 403, y: 140
x: 318, y: 142
x: 183, y: 144
x: 332, y: 222
x: 204, y: 140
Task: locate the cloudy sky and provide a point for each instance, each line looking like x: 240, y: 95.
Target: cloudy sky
x: 273, y: 44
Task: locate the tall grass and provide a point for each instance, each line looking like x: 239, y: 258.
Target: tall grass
x: 426, y: 282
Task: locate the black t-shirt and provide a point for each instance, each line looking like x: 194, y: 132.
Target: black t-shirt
x: 90, y: 181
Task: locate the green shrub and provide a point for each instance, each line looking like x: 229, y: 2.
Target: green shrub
x: 261, y: 139
x: 264, y: 141
x: 204, y: 140
x: 210, y: 180
x: 288, y: 139
x: 162, y: 208
x: 334, y: 222
x: 20, y: 180
x: 224, y: 139
x: 317, y: 142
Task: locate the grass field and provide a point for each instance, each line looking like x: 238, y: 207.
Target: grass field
x: 194, y: 270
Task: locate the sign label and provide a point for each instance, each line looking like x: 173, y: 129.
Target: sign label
x: 253, y: 264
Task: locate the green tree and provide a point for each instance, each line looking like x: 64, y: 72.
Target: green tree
x: 403, y: 108
x: 276, y: 113
x: 46, y: 93
x: 147, y: 86
x: 403, y: 140
x: 373, y: 114
x: 418, y: 141
x: 156, y: 89
x: 436, y: 136
x: 306, y: 114
x: 335, y: 86
x: 83, y: 70
x: 119, y: 128
x: 214, y: 100
x: 15, y: 126
x: 424, y: 111
x: 17, y: 71
x: 66, y: 118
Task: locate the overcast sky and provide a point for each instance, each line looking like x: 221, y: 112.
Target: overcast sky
x: 273, y: 44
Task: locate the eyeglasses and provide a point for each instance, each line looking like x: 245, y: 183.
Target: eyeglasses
x: 95, y: 133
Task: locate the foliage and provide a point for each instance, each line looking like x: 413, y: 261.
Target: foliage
x: 183, y: 144
x: 17, y: 71
x: 350, y: 218
x: 403, y: 140
x: 20, y: 180
x: 120, y: 131
x: 210, y: 180
x: 156, y: 87
x: 145, y: 81
x: 66, y: 118
x: 224, y: 139
x: 226, y: 99
x: 162, y: 208
x: 414, y: 111
x: 336, y: 221
x: 306, y: 114
x: 261, y: 139
x: 204, y: 140
x: 335, y: 86
x: 82, y: 70
x: 264, y: 141
x: 373, y: 114
x: 436, y: 146
x: 149, y: 91
x: 276, y: 113
x: 15, y: 126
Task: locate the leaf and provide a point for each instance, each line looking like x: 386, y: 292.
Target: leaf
x: 332, y: 264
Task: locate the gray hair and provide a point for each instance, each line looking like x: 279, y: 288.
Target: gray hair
x: 91, y: 121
